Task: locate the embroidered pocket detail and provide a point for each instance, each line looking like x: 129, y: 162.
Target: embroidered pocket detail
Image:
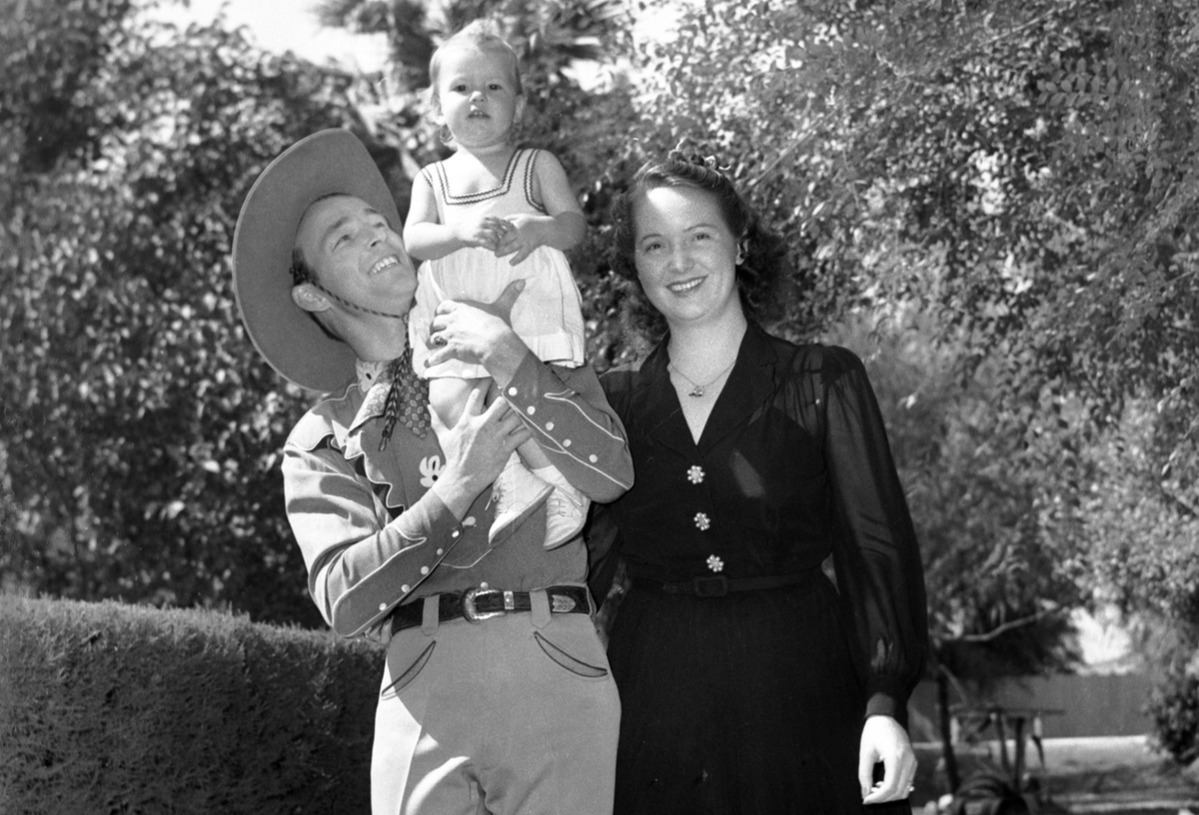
x: 430, y: 470
x: 575, y: 666
x: 405, y: 679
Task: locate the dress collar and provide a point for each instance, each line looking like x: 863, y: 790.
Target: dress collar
x: 748, y: 386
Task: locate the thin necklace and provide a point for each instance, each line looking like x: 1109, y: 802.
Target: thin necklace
x: 698, y: 390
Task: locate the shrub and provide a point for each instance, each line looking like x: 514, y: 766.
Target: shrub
x: 110, y: 708
x: 1174, y: 708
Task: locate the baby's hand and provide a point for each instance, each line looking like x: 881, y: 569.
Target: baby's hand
x: 524, y: 234
x: 484, y: 232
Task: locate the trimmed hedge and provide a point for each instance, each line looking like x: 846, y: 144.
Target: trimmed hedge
x: 110, y: 708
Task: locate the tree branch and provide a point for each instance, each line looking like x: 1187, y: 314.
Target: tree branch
x: 1000, y: 630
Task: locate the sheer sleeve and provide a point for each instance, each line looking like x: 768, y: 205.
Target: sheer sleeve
x: 875, y: 553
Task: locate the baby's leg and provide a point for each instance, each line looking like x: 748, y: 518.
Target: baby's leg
x: 566, y: 508
x: 533, y: 456
x: 448, y: 395
x: 516, y: 493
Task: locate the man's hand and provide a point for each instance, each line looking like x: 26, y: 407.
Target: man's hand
x: 476, y: 449
x: 478, y: 333
x: 883, y: 739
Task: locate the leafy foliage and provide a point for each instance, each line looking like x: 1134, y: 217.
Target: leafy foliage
x: 1174, y: 708
x: 1002, y: 577
x: 141, y: 430
x: 1023, y: 176
x: 1010, y: 188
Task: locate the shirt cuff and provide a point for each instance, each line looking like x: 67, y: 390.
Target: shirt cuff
x: 420, y: 538
x: 884, y: 699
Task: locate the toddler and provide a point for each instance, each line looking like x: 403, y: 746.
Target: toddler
x: 489, y: 214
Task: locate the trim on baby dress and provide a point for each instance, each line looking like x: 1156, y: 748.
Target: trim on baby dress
x: 450, y: 199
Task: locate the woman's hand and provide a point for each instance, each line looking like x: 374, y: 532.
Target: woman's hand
x: 476, y: 449
x: 883, y: 739
x: 479, y: 333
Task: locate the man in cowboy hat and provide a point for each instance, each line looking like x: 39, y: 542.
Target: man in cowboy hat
x: 496, y: 695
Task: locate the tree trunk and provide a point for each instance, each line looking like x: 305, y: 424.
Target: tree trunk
x: 943, y: 717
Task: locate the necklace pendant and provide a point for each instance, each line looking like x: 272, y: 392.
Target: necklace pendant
x: 697, y: 391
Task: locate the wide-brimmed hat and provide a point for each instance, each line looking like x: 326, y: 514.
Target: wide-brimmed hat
x: 331, y: 161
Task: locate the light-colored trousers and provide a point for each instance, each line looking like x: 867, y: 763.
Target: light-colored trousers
x: 515, y: 714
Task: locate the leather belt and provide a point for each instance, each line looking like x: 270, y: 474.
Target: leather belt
x: 476, y: 605
x: 718, y: 585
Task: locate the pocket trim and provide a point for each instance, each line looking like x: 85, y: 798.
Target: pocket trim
x: 575, y: 666
x: 405, y: 679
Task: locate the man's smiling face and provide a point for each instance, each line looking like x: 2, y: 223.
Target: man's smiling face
x: 356, y: 254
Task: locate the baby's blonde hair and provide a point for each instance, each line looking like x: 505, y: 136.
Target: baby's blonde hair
x: 480, y: 34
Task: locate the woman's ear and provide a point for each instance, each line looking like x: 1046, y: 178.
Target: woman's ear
x: 309, y: 298
x: 742, y: 250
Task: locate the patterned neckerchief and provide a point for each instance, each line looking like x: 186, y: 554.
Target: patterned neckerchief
x: 407, y: 394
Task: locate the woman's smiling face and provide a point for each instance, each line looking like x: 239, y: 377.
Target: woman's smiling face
x: 686, y: 255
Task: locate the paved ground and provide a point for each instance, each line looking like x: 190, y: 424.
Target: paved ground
x: 1113, y: 776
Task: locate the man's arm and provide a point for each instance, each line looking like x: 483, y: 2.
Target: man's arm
x: 361, y: 563
x: 564, y: 409
x: 567, y: 413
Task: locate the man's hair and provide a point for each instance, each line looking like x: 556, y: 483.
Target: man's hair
x: 483, y: 35
x: 301, y: 270
x: 304, y: 272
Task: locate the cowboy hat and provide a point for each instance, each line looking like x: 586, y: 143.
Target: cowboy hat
x: 325, y: 163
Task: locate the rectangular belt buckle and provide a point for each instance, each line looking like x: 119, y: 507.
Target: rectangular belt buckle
x: 473, y: 615
x: 713, y: 586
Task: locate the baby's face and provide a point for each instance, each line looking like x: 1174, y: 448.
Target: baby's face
x: 478, y: 96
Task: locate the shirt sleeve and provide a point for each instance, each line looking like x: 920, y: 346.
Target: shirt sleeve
x: 568, y: 414
x: 876, y: 557
x: 361, y: 563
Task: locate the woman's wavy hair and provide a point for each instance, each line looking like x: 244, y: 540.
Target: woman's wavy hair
x: 765, y: 263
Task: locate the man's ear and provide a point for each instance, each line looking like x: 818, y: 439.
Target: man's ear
x: 309, y: 298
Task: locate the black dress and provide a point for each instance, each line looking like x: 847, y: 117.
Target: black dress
x: 753, y: 701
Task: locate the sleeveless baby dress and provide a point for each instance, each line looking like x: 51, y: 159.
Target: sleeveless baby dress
x: 547, y: 315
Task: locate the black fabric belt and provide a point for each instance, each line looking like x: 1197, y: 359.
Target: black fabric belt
x: 717, y: 585
x: 475, y: 605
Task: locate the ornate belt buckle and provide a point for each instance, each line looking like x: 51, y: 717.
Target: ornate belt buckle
x: 474, y: 616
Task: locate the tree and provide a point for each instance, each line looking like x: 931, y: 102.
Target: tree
x: 1002, y: 577
x: 141, y: 432
x: 588, y: 128
x: 1024, y: 176
x: 1021, y: 176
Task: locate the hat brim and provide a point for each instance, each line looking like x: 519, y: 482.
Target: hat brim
x: 325, y: 163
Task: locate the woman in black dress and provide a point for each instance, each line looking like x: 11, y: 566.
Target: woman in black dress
x: 749, y: 682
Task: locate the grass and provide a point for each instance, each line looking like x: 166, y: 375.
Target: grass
x: 1114, y: 776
